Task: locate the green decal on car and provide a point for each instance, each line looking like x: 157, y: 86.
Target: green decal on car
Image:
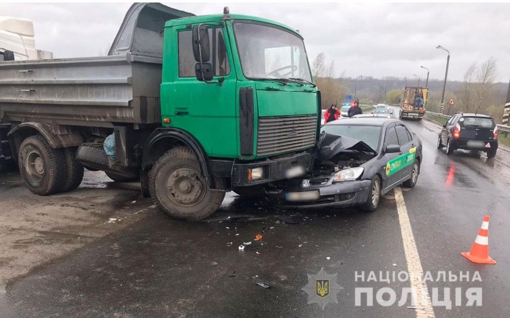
x: 400, y: 162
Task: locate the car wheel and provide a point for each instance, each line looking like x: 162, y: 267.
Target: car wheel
x: 439, y: 143
x: 449, y: 148
x: 414, y: 176
x: 374, y: 197
x: 491, y: 153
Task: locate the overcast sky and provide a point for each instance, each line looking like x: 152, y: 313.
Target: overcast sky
x: 362, y: 39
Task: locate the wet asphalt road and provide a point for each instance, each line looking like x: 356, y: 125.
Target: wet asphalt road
x: 159, y: 267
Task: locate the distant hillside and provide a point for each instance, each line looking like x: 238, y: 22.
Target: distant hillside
x: 369, y: 88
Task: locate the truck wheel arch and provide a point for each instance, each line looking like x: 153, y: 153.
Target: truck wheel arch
x: 65, y: 138
x: 163, y: 139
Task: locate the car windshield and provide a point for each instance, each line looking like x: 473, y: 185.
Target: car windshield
x: 482, y: 122
x: 367, y: 134
x: 381, y: 110
x: 268, y: 52
x: 345, y: 109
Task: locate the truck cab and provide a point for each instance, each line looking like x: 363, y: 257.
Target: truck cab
x: 259, y: 102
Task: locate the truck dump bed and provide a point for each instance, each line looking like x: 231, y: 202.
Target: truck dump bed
x: 82, y: 91
x: 97, y: 91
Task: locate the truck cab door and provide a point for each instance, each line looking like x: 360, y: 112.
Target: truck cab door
x: 206, y: 110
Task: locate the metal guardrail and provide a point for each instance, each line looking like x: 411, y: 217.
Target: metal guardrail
x: 502, y: 128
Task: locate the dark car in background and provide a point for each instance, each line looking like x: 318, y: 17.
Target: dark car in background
x: 471, y: 132
x: 357, y: 161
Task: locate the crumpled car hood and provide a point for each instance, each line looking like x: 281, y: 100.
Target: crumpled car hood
x: 330, y: 145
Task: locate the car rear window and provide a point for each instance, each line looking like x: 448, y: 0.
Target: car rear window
x: 482, y: 122
x: 367, y: 134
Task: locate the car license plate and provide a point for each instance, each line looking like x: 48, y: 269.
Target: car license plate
x: 475, y: 143
x: 302, y: 196
x: 294, y: 172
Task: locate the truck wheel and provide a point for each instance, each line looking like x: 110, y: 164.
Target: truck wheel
x: 252, y: 192
x: 179, y: 189
x: 74, y: 170
x: 41, y: 166
x: 120, y: 178
x: 374, y: 196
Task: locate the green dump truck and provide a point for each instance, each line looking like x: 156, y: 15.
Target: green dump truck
x: 192, y: 106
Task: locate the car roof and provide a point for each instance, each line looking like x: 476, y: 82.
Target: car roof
x: 475, y: 115
x: 363, y: 121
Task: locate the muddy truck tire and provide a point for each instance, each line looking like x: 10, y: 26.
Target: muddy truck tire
x: 74, y: 170
x: 178, y: 188
x: 41, y: 166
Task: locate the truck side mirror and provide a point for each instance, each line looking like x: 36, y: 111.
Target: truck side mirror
x: 8, y: 55
x: 201, y: 46
x: 204, y: 71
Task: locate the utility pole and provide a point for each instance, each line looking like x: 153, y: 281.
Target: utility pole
x: 445, y: 75
x: 427, y: 82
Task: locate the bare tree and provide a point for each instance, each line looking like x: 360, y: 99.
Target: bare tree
x: 333, y: 90
x: 466, y: 93
x: 483, y: 88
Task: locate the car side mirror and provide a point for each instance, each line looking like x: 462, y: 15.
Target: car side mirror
x: 392, y: 149
x: 201, y: 46
x: 204, y: 71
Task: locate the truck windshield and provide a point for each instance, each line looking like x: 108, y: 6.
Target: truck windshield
x: 268, y: 52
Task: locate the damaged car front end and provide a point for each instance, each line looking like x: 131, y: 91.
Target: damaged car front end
x: 337, y: 179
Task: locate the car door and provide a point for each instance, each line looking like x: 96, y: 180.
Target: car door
x: 408, y: 148
x: 391, y: 173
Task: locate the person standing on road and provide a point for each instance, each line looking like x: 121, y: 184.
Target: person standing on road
x: 331, y: 114
x: 355, y: 109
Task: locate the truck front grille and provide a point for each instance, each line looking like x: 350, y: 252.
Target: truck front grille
x: 284, y: 134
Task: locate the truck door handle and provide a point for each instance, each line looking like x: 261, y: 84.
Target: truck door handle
x: 27, y: 90
x: 25, y: 71
x: 179, y: 113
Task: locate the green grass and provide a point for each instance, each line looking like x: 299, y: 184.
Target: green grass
x: 437, y: 119
x: 505, y: 140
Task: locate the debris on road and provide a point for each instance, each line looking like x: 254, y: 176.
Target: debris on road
x: 233, y: 274
x: 287, y: 220
x: 394, y: 265
x: 328, y: 258
x: 241, y: 247
x: 247, y: 243
x: 258, y: 237
x: 266, y: 286
x: 112, y: 220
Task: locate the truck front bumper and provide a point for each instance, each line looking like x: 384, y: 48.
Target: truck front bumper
x: 273, y: 169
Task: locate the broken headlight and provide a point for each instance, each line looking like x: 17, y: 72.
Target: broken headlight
x: 348, y: 174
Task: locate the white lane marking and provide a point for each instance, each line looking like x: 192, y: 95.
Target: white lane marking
x: 415, y: 270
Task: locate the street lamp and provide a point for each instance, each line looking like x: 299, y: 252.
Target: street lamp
x: 445, y: 75
x: 419, y: 78
x: 427, y: 82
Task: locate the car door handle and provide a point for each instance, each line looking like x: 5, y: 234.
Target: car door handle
x: 181, y: 113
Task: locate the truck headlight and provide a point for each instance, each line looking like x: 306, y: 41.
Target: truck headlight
x: 348, y: 174
x: 255, y: 174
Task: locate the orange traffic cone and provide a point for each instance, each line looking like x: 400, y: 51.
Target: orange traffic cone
x: 480, y: 251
